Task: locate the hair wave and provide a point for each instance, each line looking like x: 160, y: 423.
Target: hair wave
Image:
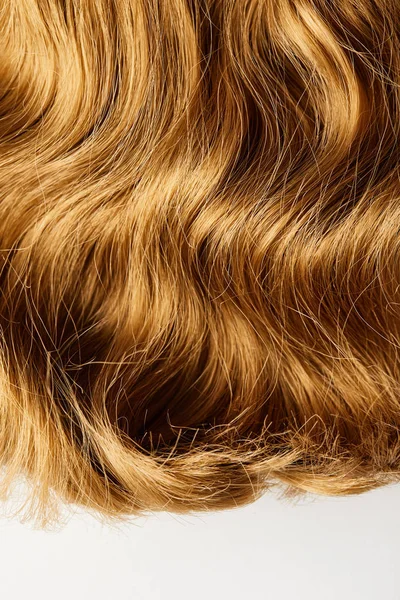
x: 200, y: 252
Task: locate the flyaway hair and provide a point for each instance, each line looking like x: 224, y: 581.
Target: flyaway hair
x: 199, y: 250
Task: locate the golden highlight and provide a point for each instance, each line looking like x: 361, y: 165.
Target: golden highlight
x: 200, y: 250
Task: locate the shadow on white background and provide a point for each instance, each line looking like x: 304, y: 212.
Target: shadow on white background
x: 315, y: 549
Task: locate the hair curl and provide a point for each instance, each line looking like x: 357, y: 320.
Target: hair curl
x: 200, y: 251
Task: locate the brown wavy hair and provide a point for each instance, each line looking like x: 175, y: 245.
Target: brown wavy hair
x: 200, y: 250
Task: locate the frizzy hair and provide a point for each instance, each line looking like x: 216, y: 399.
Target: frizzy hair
x: 200, y: 250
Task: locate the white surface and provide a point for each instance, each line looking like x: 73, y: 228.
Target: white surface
x: 316, y: 549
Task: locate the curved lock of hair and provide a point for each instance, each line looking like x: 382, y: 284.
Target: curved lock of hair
x: 200, y: 257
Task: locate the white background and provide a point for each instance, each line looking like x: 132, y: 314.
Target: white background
x: 315, y: 549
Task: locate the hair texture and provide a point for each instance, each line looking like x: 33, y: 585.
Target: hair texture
x: 200, y: 250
